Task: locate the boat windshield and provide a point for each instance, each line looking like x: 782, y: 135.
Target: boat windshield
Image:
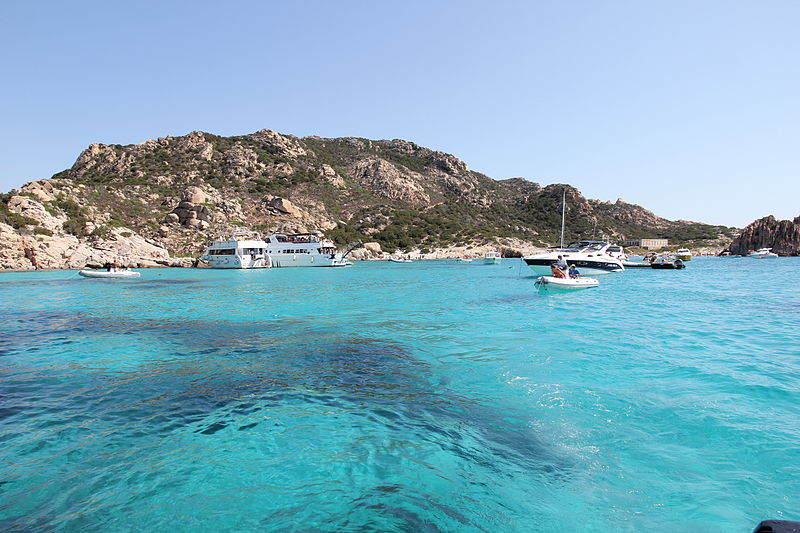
x: 585, y: 246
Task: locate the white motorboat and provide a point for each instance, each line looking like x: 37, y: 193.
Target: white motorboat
x: 591, y: 257
x: 464, y: 260
x: 684, y: 254
x: 492, y: 258
x: 762, y: 253
x: 554, y: 283
x: 117, y: 273
x: 243, y: 249
x: 400, y: 260
x: 304, y: 250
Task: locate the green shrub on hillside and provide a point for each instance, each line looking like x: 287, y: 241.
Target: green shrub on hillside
x: 42, y: 231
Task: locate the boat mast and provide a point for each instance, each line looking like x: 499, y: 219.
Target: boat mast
x: 563, y: 210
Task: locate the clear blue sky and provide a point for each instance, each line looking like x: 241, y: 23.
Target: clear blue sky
x: 690, y: 109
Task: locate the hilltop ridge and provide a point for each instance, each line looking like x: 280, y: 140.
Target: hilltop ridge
x: 146, y: 203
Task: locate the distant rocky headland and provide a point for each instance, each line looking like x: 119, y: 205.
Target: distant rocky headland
x: 158, y: 203
x: 783, y: 236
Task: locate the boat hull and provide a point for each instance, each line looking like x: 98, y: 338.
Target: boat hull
x: 561, y: 284
x: 280, y: 260
x: 541, y: 266
x: 667, y: 266
x: 236, y: 261
x: 100, y: 274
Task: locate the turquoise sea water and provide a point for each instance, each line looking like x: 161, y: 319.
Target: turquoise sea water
x: 432, y: 396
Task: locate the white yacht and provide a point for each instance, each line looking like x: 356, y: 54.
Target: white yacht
x: 303, y: 250
x: 591, y: 258
x: 762, y: 253
x: 492, y: 258
x: 243, y: 249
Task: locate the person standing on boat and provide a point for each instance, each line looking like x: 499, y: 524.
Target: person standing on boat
x: 562, y: 264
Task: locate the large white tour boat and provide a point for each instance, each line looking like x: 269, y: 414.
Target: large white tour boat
x: 303, y: 250
x: 591, y: 257
x: 243, y: 249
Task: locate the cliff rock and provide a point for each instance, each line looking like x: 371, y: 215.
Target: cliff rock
x: 783, y: 236
x: 389, y: 181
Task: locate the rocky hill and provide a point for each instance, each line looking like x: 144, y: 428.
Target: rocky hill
x: 145, y: 204
x: 783, y: 236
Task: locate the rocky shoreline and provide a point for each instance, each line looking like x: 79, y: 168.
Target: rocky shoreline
x: 126, y: 256
x: 159, y: 202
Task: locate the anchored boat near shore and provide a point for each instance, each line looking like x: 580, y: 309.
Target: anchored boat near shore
x: 762, y: 253
x: 492, y: 258
x: 304, y: 250
x: 591, y: 257
x: 667, y: 262
x: 109, y: 274
x: 245, y: 249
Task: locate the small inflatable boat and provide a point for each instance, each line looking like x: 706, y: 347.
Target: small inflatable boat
x: 551, y: 282
x: 668, y: 264
x: 109, y: 273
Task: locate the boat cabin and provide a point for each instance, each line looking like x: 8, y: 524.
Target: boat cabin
x: 286, y: 243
